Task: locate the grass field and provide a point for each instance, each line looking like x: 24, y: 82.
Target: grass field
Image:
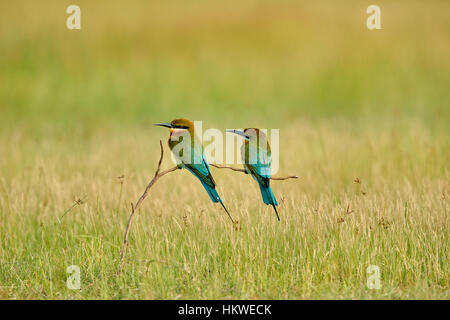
x: 364, y: 119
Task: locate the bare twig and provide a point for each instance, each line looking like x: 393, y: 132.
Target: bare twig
x: 220, y: 166
x: 138, y: 203
x: 348, y: 211
x: 158, y: 175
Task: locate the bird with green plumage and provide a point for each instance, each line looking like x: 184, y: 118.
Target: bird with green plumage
x: 257, y: 159
x: 189, y: 153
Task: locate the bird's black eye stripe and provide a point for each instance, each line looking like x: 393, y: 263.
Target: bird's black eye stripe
x: 181, y: 127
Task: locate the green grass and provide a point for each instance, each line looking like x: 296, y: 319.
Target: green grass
x: 76, y: 109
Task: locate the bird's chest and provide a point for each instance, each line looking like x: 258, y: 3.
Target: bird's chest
x: 249, y: 153
x: 178, y: 136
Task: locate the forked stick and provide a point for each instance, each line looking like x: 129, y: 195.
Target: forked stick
x: 158, y: 175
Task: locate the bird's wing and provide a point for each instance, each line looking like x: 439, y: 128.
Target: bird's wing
x: 206, y: 164
x: 261, y: 169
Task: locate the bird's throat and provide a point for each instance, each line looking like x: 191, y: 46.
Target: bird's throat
x: 178, y: 132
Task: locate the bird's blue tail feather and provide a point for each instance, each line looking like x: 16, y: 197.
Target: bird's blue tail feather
x: 267, y: 195
x: 211, y: 191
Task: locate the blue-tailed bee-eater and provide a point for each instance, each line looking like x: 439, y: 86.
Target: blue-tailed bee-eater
x: 191, y: 155
x: 256, y: 155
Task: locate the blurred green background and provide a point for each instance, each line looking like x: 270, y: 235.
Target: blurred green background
x: 234, y: 63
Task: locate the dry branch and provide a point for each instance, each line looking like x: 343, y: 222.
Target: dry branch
x: 138, y: 203
x: 151, y: 183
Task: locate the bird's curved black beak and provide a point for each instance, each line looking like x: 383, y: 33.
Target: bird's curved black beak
x: 167, y: 125
x: 238, y: 132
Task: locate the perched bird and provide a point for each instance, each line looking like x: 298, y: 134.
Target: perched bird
x: 190, y: 155
x: 256, y: 155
